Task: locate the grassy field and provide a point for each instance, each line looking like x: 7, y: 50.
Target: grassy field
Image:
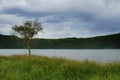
x: 21, y: 67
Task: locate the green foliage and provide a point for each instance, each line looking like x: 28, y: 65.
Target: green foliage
x: 28, y: 29
x: 102, y: 42
x: 21, y: 67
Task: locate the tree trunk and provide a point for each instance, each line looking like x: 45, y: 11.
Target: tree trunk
x: 29, y: 47
x: 29, y: 51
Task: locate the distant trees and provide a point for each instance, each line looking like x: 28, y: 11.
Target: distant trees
x: 103, y: 42
x: 27, y: 30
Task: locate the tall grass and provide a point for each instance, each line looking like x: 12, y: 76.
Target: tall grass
x: 21, y: 67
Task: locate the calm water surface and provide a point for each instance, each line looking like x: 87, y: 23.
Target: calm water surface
x: 98, y: 55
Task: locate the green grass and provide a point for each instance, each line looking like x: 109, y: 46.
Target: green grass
x: 21, y: 67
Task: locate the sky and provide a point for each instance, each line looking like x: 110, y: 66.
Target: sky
x: 63, y: 18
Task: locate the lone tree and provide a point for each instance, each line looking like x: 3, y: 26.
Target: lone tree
x: 27, y: 30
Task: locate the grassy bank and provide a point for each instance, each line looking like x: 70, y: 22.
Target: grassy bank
x: 44, y: 68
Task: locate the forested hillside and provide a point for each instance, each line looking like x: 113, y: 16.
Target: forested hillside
x: 11, y: 42
x: 100, y: 42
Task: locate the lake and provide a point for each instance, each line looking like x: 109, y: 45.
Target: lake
x: 98, y: 55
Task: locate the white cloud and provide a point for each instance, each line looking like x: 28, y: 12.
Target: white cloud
x: 63, y: 5
x: 65, y: 29
x: 11, y: 18
x: 7, y: 4
x: 70, y: 27
x: 5, y: 29
x: 110, y: 11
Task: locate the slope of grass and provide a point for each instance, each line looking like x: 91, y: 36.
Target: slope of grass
x: 21, y: 67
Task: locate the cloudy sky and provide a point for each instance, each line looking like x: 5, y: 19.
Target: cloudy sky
x: 63, y: 18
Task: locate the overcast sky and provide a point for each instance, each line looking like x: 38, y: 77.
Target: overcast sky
x: 63, y: 18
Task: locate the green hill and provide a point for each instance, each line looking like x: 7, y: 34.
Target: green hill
x: 99, y: 42
x: 8, y: 42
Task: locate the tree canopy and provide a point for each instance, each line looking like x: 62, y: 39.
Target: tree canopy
x: 27, y: 30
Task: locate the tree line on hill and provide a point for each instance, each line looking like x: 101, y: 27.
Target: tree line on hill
x: 99, y: 42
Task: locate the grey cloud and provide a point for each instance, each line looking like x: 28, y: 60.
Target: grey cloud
x: 100, y: 8
x: 64, y: 18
